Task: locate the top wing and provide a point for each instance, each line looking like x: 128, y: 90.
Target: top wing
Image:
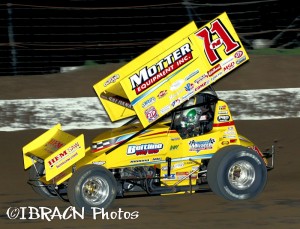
x: 172, y: 71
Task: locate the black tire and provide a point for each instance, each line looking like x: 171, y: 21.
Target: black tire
x: 237, y: 173
x: 92, y: 186
x: 39, y: 187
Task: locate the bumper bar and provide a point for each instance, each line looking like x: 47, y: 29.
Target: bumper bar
x: 269, y: 156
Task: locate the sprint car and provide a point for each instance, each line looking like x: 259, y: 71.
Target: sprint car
x: 179, y: 137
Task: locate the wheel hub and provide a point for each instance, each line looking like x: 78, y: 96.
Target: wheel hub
x: 241, y: 175
x: 95, y: 190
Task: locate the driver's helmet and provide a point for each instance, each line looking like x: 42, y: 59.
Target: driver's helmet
x: 191, y: 115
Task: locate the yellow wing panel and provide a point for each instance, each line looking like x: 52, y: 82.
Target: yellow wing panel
x: 172, y: 71
x: 114, y: 104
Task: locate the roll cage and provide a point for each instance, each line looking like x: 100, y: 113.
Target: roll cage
x: 205, y: 104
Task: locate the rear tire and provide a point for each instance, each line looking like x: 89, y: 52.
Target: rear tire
x: 35, y: 172
x: 92, y: 186
x: 237, y: 173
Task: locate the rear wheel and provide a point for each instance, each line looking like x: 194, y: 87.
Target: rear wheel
x: 35, y: 172
x: 92, y: 186
x: 237, y: 173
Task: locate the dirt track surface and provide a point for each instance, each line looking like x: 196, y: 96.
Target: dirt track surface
x: 261, y: 72
x: 277, y: 207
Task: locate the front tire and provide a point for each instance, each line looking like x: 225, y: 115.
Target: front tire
x: 92, y: 186
x: 237, y: 173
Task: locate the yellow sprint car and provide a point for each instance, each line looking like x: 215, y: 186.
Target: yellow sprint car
x: 180, y: 136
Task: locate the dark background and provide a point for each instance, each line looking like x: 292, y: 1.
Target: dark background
x: 40, y: 37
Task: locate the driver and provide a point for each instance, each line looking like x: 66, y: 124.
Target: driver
x: 193, y: 121
x: 190, y: 121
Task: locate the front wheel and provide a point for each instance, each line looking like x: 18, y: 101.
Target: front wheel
x: 92, y: 186
x: 236, y: 173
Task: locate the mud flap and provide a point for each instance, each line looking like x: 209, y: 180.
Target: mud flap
x: 56, y: 149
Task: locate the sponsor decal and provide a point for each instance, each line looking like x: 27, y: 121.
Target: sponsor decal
x: 174, y: 147
x: 150, y: 75
x: 214, y: 70
x: 171, y: 177
x: 223, y: 118
x: 117, y: 100
x: 144, y: 149
x: 176, y: 95
x: 201, y: 78
x: 226, y: 61
x: 139, y: 161
x: 230, y: 136
x: 165, y: 168
x: 230, y: 132
x: 162, y: 94
x: 112, y: 79
x: 189, y: 87
x: 225, y: 143
x: 175, y: 166
x: 241, y: 60
x: 67, y: 154
x: 222, y: 107
x: 151, y: 114
x: 101, y: 145
x: 156, y: 159
x: 199, y: 87
x: 217, y: 76
x: 238, y: 54
x: 178, y: 165
x: 182, y: 175
x: 148, y: 102
x: 175, y: 102
x: 256, y: 149
x: 176, y: 85
x: 229, y: 67
x: 191, y: 75
x: 222, y: 112
x: 201, y: 145
x: 165, y: 109
x: 53, y: 145
x: 223, y: 124
x: 99, y: 162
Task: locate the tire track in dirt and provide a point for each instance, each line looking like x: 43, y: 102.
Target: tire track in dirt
x: 88, y: 113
